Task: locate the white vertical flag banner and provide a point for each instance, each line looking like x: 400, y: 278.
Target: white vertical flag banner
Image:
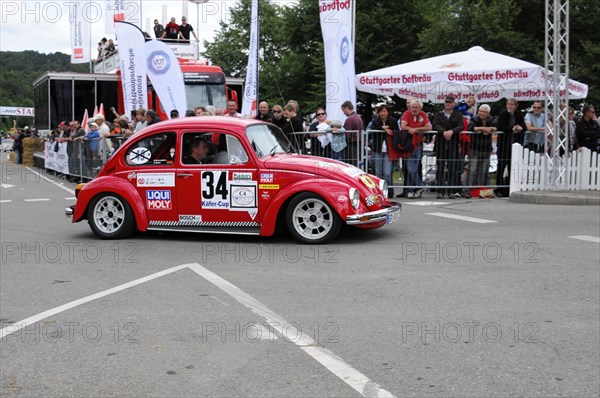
x: 80, y: 33
x: 121, y: 10
x: 251, y: 88
x: 133, y: 69
x: 336, y: 26
x: 165, y: 74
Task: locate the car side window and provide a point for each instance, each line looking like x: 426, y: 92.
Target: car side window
x: 212, y: 148
x: 157, y: 149
x: 230, y: 151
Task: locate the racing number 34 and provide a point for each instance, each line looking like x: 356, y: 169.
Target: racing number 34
x: 214, y: 183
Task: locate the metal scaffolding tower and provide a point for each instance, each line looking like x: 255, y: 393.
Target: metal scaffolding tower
x: 557, y: 94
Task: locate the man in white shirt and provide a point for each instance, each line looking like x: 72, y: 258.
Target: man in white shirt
x: 232, y: 109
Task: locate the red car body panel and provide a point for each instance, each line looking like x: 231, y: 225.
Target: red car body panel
x: 273, y: 180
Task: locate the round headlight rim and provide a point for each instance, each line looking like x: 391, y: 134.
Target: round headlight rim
x: 383, y: 185
x: 354, y: 198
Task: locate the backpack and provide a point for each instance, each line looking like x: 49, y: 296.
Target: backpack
x: 402, y: 141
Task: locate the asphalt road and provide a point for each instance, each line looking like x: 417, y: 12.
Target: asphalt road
x: 499, y: 300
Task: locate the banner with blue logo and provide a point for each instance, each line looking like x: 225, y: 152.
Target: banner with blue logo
x: 336, y: 26
x: 165, y: 74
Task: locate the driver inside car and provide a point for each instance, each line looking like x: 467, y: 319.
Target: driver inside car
x: 197, y: 151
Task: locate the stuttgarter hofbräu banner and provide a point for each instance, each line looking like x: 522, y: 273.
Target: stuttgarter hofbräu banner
x: 80, y: 33
x: 485, y: 75
x: 250, y: 97
x: 133, y: 68
x: 121, y: 10
x: 336, y: 26
x: 165, y: 74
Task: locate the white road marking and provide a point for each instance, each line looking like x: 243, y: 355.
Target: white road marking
x: 462, y: 218
x: 36, y: 318
x: 53, y: 182
x: 336, y: 365
x: 587, y: 238
x: 425, y: 203
x: 6, y: 185
x: 219, y: 300
x: 71, y: 198
x: 5, y: 201
x: 37, y: 200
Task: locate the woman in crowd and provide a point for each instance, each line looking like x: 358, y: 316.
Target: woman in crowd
x: 382, y: 130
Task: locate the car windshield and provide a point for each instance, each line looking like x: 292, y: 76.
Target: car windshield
x: 268, y: 140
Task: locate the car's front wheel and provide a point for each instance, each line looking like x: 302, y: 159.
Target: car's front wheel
x: 111, y: 217
x: 310, y: 219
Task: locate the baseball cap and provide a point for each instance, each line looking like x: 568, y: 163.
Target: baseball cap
x: 93, y: 124
x: 450, y: 98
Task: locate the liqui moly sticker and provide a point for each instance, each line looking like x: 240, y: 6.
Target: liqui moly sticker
x: 266, y: 177
x: 158, y: 200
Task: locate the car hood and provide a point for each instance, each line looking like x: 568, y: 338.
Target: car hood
x: 315, y: 166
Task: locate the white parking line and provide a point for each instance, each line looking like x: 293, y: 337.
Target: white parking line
x: 52, y: 182
x: 5, y: 201
x: 36, y: 318
x: 336, y: 365
x: 71, y: 198
x: 425, y: 203
x: 587, y: 238
x: 37, y: 200
x: 462, y: 218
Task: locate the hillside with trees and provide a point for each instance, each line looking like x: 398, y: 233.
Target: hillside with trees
x: 19, y: 69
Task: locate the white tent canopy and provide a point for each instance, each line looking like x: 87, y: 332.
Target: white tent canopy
x: 486, y: 75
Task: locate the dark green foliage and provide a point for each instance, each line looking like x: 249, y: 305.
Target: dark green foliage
x: 18, y: 70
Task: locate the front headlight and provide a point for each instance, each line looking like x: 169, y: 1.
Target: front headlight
x: 354, y: 198
x: 383, y: 185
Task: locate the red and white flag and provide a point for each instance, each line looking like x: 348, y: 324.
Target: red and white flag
x: 251, y: 87
x: 84, y: 121
x: 80, y: 33
x: 121, y: 11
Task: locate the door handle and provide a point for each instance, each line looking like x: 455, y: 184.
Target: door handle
x: 185, y: 175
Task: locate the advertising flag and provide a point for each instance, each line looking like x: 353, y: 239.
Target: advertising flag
x: 336, y: 26
x: 121, y: 10
x: 133, y: 69
x: 251, y: 87
x: 165, y: 74
x: 80, y: 34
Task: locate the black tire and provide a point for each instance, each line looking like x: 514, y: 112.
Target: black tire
x: 310, y: 219
x: 111, y: 217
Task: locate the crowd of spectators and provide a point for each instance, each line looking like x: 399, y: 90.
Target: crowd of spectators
x: 106, y: 47
x: 463, y: 138
x: 173, y: 31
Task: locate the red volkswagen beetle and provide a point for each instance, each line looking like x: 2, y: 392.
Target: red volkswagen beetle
x: 227, y: 175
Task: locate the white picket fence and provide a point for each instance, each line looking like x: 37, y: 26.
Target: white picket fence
x: 528, y: 172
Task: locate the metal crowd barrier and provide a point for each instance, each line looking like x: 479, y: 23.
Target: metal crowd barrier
x: 84, y: 161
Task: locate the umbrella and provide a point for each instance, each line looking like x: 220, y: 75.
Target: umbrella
x: 486, y: 75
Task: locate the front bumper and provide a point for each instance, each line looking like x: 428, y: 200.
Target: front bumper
x: 389, y: 215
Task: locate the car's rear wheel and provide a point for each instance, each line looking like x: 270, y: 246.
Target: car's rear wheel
x: 310, y: 219
x: 111, y: 217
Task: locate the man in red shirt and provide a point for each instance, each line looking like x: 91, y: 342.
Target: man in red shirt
x: 171, y: 32
x: 415, y: 121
